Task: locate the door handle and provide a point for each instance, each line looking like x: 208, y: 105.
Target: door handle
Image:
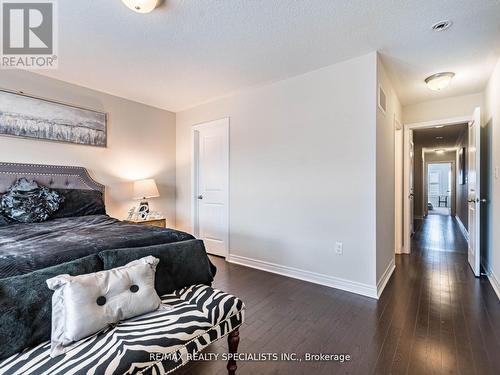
x: 471, y: 201
x: 200, y: 196
x: 411, y: 195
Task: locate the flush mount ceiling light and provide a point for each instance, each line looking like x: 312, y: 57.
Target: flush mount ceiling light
x: 440, y: 151
x: 141, y: 6
x: 442, y: 25
x: 439, y: 81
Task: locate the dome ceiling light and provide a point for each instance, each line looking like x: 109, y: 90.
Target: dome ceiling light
x: 439, y: 81
x: 141, y: 6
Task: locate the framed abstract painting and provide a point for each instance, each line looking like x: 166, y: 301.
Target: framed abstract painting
x: 28, y: 116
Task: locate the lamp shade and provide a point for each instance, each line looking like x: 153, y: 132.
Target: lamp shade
x: 145, y: 189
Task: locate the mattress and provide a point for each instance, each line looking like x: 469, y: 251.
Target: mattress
x: 27, y: 247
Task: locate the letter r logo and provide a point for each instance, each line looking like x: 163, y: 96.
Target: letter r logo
x: 27, y: 28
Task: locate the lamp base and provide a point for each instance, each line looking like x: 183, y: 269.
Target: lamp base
x: 143, y: 210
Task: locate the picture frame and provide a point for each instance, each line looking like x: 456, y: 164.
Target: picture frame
x: 28, y: 116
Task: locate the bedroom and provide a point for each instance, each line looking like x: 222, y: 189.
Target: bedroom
x: 312, y: 219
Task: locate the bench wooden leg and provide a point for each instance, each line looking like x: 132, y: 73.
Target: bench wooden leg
x: 233, y: 339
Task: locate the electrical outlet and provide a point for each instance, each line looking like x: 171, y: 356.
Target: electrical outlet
x: 496, y: 173
x: 339, y: 248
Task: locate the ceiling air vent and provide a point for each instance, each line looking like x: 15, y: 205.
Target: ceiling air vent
x: 442, y: 25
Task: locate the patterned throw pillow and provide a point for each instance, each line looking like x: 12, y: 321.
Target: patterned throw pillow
x: 28, y: 202
x: 4, y: 220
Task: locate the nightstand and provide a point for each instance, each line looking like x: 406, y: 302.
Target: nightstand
x: 162, y: 223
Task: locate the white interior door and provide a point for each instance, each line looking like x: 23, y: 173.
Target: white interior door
x: 211, y: 185
x: 474, y: 200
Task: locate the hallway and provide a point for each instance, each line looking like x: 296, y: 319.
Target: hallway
x: 434, y: 317
x: 455, y: 314
x: 439, y: 233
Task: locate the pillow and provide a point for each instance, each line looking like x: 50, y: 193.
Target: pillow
x: 28, y: 202
x: 25, y: 304
x: 80, y: 203
x: 86, y: 304
x: 4, y: 220
x: 182, y: 263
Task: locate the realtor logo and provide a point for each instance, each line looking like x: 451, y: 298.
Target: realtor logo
x: 29, y: 34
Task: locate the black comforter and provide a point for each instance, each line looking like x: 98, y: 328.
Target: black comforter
x: 28, y: 247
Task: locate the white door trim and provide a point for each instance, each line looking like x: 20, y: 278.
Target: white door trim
x: 406, y: 162
x: 223, y: 122
x: 405, y: 248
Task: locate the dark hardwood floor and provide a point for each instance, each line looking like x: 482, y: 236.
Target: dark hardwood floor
x: 434, y: 317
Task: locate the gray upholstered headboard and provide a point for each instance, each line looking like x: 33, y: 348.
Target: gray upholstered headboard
x: 53, y: 176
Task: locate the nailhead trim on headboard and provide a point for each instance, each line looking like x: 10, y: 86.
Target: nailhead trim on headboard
x: 67, y: 173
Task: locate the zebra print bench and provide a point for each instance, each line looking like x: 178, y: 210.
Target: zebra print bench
x: 157, y: 343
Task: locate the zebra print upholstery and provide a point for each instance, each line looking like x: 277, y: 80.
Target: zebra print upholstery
x: 155, y: 343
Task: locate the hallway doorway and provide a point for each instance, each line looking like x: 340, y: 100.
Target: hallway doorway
x: 439, y: 188
x: 451, y: 139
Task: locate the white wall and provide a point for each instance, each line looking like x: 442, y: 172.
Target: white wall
x: 302, y: 173
x: 492, y: 121
x: 141, y: 143
x: 456, y: 106
x: 386, y: 204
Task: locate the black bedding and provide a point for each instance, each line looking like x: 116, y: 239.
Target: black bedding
x: 28, y: 247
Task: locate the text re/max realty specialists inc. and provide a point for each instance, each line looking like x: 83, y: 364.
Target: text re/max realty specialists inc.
x: 253, y: 357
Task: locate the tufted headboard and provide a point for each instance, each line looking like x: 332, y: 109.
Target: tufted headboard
x: 53, y: 176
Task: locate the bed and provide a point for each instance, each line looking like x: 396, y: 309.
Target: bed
x: 28, y: 247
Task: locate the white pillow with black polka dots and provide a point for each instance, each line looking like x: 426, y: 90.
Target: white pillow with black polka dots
x: 84, y: 305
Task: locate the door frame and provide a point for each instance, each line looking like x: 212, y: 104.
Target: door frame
x: 224, y: 123
x: 453, y: 187
x: 406, y: 248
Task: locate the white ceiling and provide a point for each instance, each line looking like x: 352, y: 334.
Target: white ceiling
x: 188, y: 52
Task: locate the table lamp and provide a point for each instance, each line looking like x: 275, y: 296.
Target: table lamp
x: 144, y: 189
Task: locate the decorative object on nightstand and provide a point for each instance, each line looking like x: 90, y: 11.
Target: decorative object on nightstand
x: 162, y: 223
x: 144, y: 189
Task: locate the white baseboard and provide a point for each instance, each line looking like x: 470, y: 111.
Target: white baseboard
x: 493, y: 279
x: 404, y: 250
x: 313, y: 277
x: 385, y: 277
x: 495, y: 283
x: 462, y: 228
